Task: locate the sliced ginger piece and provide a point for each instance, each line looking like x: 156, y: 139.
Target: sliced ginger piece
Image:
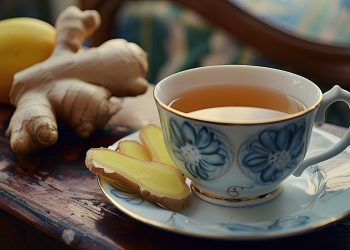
x: 155, y: 181
x: 152, y: 138
x: 133, y: 149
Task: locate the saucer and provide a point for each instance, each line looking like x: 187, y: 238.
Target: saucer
x: 309, y: 202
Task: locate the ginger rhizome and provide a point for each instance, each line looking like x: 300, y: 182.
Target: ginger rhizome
x: 73, y: 85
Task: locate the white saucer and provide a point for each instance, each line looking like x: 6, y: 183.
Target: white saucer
x: 317, y: 198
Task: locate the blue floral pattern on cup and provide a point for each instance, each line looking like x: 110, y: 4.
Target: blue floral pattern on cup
x: 204, y: 154
x: 274, y: 153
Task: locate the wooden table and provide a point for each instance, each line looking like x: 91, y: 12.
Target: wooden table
x: 49, y: 200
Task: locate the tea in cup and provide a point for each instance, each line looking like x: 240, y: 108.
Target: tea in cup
x: 237, y: 132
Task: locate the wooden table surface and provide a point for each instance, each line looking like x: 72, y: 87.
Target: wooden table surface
x: 52, y: 193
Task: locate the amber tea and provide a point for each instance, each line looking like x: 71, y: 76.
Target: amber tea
x: 236, y: 103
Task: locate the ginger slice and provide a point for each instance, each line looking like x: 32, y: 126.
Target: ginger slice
x: 133, y: 149
x: 152, y: 138
x: 155, y: 181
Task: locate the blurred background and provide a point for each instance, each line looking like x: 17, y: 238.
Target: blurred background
x: 46, y: 10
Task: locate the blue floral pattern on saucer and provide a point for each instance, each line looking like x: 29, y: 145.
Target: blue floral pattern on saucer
x: 317, y: 198
x: 204, y: 154
x: 273, y: 153
x: 131, y: 198
x: 279, y: 224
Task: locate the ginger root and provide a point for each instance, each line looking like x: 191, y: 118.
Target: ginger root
x: 73, y: 85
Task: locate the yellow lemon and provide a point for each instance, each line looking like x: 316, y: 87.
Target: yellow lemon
x: 23, y: 42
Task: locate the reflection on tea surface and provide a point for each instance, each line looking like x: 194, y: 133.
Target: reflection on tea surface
x: 236, y: 103
x: 237, y: 114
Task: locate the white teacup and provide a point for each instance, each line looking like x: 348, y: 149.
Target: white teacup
x: 243, y: 161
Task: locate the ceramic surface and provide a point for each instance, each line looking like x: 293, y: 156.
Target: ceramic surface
x: 238, y: 162
x: 317, y: 198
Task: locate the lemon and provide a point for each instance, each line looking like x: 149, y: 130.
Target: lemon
x: 23, y: 42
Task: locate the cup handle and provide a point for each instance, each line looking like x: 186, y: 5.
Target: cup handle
x: 331, y: 96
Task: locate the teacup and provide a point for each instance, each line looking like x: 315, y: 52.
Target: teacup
x: 237, y: 151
